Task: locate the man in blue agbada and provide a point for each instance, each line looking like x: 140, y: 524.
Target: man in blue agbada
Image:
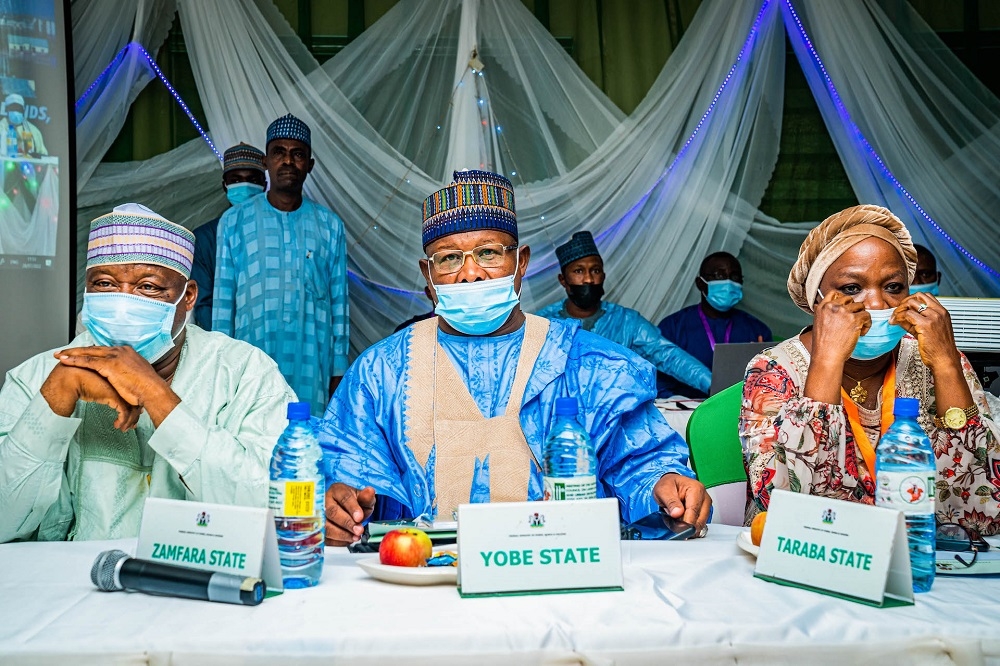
x: 281, y: 271
x: 582, y: 275
x: 455, y: 409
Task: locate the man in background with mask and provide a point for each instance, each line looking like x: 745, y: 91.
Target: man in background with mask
x: 582, y: 276
x: 281, y: 271
x: 927, y: 278
x: 242, y: 178
x: 19, y: 136
x: 699, y: 327
x: 455, y: 408
x: 141, y: 405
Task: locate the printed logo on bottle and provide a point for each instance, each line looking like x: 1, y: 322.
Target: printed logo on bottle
x: 569, y: 488
x: 906, y: 492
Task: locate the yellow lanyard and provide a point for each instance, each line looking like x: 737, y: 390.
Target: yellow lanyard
x: 860, y: 437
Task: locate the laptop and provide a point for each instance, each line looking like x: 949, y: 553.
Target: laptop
x: 729, y: 365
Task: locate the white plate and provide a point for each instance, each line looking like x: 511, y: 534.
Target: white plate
x: 745, y: 544
x: 409, y: 575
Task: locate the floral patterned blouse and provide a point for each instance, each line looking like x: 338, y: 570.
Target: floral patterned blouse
x: 795, y: 443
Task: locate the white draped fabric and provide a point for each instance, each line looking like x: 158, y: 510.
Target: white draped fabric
x: 107, y: 79
x: 434, y: 86
x: 935, y: 128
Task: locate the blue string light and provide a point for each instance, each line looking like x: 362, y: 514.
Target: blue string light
x: 845, y: 114
x: 358, y: 277
x: 184, y: 107
x: 747, y: 45
x: 159, y: 74
x: 100, y: 77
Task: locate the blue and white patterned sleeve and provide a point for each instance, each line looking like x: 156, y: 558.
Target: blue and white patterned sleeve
x: 339, y: 306
x: 635, y: 446
x: 224, y: 292
x: 356, y: 435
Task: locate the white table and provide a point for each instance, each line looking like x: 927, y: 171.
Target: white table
x: 683, y: 602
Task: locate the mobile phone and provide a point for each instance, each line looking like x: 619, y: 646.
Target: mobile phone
x: 658, y: 526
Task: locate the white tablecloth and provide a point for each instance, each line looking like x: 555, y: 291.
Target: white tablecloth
x: 684, y: 602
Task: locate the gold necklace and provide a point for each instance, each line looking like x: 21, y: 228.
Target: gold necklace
x: 859, y: 394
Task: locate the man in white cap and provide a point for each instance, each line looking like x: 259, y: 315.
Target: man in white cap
x: 140, y: 405
x: 19, y: 136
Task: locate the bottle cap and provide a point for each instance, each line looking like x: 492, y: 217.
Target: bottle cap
x: 906, y: 407
x: 298, y: 411
x: 566, y: 407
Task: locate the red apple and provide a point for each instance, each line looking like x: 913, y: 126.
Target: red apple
x: 405, y: 547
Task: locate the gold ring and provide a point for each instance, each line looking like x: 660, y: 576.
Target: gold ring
x: 923, y: 306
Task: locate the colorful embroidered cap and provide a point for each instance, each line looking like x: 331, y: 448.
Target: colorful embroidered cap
x: 133, y: 234
x: 289, y: 127
x: 476, y: 200
x: 242, y: 156
x: 579, y: 246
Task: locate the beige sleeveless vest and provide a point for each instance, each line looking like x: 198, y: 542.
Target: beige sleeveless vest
x: 440, y: 409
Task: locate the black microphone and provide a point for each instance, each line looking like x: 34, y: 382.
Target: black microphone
x: 116, y: 570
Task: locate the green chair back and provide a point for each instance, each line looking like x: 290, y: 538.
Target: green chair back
x: 714, y: 440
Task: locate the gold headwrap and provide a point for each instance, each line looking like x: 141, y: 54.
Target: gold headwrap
x: 836, y: 235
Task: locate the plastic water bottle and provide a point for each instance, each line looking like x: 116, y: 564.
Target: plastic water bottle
x: 297, y: 497
x: 11, y: 140
x: 905, y: 480
x: 568, y: 458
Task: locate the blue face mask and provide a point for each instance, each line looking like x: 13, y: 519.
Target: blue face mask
x: 880, y: 339
x: 15, y: 117
x: 237, y: 193
x: 477, y: 308
x: 932, y: 288
x: 142, y: 323
x: 723, y: 294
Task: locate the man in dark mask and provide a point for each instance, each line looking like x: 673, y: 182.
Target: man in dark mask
x: 583, y: 277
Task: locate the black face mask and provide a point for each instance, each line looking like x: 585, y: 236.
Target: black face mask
x: 586, y: 296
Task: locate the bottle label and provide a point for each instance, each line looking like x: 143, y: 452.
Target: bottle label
x: 570, y: 487
x: 909, y: 492
x: 292, y: 499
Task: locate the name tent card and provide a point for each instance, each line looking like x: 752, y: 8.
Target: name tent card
x: 213, y: 537
x: 535, y: 547
x: 849, y: 550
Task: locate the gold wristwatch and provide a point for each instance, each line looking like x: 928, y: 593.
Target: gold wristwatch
x: 955, y: 418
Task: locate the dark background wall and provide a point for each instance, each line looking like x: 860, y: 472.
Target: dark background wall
x: 622, y: 46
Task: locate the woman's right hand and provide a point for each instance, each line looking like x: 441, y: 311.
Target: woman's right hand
x: 838, y: 323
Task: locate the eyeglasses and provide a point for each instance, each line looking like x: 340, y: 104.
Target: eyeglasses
x: 953, y: 537
x: 490, y: 255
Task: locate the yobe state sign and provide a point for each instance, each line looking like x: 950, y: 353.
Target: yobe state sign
x: 525, y: 547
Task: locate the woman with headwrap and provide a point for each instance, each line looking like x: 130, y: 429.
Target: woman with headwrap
x: 815, y: 406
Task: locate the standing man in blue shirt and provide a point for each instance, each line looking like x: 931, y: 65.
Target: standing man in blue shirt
x: 242, y: 178
x: 699, y: 327
x: 281, y: 271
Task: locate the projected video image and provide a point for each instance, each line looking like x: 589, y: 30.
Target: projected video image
x: 29, y: 200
